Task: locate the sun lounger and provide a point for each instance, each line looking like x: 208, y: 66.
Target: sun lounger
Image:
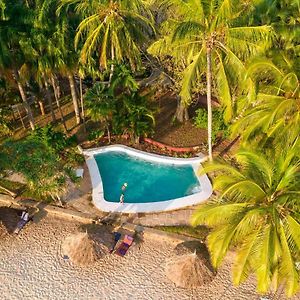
x: 21, y: 225
x: 123, y: 248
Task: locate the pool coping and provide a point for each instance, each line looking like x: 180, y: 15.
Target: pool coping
x: 150, y: 207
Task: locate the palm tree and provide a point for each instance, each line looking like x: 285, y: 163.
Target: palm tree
x: 100, y: 104
x: 49, y: 59
x: 53, y: 41
x: 257, y: 215
x: 275, y: 115
x: 66, y: 62
x: 208, y: 34
x: 14, y: 22
x: 111, y: 29
x: 135, y: 115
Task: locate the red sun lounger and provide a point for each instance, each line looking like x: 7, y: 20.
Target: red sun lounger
x: 122, y: 249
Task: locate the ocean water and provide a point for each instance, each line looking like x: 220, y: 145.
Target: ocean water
x: 147, y: 181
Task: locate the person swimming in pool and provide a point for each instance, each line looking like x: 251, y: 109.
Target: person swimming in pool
x: 124, y: 186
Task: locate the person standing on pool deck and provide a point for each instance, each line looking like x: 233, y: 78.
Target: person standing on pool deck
x: 123, y: 188
x: 122, y: 198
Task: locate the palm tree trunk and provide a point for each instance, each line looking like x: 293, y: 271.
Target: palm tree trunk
x: 112, y: 67
x: 48, y: 96
x: 57, y: 87
x: 13, y: 114
x: 24, y: 99
x: 108, y: 133
x: 41, y: 106
x: 209, y: 109
x: 11, y: 193
x: 74, y: 97
x: 56, y: 95
x: 181, y: 113
x: 81, y: 103
x: 21, y: 118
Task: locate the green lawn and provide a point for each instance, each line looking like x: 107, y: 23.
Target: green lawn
x: 199, y: 232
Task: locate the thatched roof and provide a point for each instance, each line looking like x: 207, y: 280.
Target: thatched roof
x: 80, y: 249
x: 9, y: 217
x: 190, y: 267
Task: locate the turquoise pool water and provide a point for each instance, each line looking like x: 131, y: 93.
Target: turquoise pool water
x: 147, y: 181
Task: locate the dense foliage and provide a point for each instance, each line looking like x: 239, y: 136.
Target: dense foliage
x: 257, y: 213
x: 220, y: 129
x: 121, y: 106
x: 40, y: 166
x: 55, y: 140
x: 5, y: 127
x: 245, y: 54
x: 44, y: 158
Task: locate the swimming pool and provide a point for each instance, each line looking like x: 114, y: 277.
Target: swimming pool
x: 154, y: 182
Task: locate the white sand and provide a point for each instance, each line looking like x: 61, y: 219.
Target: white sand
x: 31, y: 267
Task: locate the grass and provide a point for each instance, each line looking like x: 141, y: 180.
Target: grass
x: 199, y: 232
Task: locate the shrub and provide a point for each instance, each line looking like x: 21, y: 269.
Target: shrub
x: 121, y: 106
x: 40, y: 165
x: 134, y: 116
x: 73, y: 158
x: 218, y: 125
x: 96, y: 134
x: 55, y: 140
x: 5, y: 128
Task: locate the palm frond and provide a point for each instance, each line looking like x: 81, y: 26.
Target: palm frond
x: 190, y: 74
x: 242, y: 265
x: 288, y: 271
x: 216, y: 214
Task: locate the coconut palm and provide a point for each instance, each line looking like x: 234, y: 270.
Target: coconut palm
x: 62, y: 58
x: 275, y: 115
x: 56, y: 42
x: 111, y: 29
x: 208, y: 34
x: 15, y: 24
x: 257, y: 215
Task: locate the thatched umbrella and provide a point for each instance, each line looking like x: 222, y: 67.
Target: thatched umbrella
x: 9, y: 217
x: 80, y: 249
x: 191, y: 267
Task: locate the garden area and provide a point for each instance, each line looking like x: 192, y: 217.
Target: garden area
x: 176, y: 78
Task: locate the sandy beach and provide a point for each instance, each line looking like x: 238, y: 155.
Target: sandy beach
x: 32, y: 267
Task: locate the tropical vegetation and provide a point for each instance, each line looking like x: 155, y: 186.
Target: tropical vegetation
x: 121, y: 106
x: 72, y: 66
x: 257, y: 214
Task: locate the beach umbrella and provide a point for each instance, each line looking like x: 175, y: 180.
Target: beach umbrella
x: 80, y: 249
x: 190, y: 267
x: 9, y: 218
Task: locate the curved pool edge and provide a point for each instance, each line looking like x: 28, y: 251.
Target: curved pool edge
x: 102, y: 204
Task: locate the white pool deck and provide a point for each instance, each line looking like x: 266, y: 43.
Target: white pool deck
x: 102, y: 204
